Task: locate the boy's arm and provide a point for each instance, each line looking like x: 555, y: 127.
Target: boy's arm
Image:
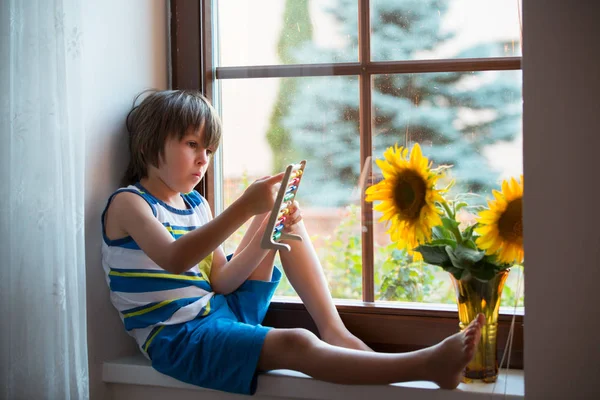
x: 133, y: 217
x: 227, y: 276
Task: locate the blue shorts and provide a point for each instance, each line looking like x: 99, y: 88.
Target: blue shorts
x: 221, y: 350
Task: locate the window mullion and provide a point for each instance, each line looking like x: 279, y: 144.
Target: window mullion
x: 373, y: 68
x: 364, y: 44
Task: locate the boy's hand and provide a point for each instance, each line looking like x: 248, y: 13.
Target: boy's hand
x: 293, y: 217
x: 259, y: 197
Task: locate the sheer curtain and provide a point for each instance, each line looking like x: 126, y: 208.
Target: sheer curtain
x: 43, y: 346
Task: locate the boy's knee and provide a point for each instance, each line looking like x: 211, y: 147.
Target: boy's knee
x: 299, y: 339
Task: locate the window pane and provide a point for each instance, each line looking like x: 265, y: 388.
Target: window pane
x: 469, y: 120
x: 272, y: 32
x: 434, y: 29
x: 270, y: 123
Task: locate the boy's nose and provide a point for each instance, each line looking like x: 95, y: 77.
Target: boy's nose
x: 203, y: 158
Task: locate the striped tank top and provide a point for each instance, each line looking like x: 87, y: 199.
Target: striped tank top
x: 147, y: 296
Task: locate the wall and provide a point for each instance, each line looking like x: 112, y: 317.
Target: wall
x: 561, y: 124
x: 126, y: 51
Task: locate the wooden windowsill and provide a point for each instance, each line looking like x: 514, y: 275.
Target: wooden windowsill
x: 393, y: 307
x: 136, y: 370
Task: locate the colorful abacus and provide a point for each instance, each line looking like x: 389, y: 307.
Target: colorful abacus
x: 285, y: 197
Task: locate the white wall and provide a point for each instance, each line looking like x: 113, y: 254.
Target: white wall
x: 561, y: 109
x: 125, y: 52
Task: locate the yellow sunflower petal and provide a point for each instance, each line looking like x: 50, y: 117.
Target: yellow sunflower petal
x: 504, y: 209
x: 411, y: 216
x: 488, y: 215
x: 484, y: 230
x: 385, y: 167
x: 494, y: 247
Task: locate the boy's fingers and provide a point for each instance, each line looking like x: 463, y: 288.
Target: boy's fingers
x: 275, y: 178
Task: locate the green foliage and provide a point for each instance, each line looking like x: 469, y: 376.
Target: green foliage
x: 232, y: 241
x: 403, y: 280
x: 342, y: 258
x: 455, y: 250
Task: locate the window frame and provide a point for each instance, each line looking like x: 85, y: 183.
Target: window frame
x: 397, y: 328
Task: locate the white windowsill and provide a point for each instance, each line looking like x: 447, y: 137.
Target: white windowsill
x: 136, y: 370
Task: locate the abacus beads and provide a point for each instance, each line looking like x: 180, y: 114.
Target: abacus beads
x: 282, y: 209
x: 290, y: 193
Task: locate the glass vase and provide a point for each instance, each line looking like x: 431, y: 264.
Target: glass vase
x: 474, y: 297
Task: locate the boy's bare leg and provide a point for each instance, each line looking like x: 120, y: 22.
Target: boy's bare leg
x: 264, y: 270
x: 303, y: 270
x: 302, y: 351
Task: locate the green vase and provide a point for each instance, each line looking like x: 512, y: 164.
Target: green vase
x: 474, y: 297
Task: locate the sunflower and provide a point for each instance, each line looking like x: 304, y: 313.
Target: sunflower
x: 501, y: 226
x: 408, y: 195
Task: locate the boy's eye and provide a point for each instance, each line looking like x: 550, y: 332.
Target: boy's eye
x: 209, y: 152
x: 193, y: 145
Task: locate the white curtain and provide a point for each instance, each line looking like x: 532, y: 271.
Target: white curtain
x: 42, y: 271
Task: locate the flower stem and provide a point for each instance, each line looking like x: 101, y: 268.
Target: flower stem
x: 451, y: 215
x: 449, y: 212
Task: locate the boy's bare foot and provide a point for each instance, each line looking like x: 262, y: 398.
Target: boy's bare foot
x: 345, y: 339
x: 449, y: 358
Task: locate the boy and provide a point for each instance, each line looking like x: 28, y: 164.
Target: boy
x: 196, y: 313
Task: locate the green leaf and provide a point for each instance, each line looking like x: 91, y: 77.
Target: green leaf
x: 442, y: 242
x: 460, y: 205
x: 439, y: 232
x: 452, y: 226
x: 468, y: 232
x: 435, y: 255
x: 456, y: 262
x: 449, y: 223
x: 456, y: 272
x: 484, y: 270
x: 484, y: 274
x: 487, y: 268
x: 464, y: 257
x: 470, y: 244
x: 469, y: 255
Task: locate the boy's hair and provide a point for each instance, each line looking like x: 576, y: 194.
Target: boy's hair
x: 162, y: 115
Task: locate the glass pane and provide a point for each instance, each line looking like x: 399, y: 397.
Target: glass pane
x: 270, y: 123
x: 434, y: 29
x: 471, y: 121
x: 273, y: 32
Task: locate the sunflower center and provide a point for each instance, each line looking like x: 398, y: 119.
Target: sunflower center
x: 510, y: 224
x: 409, y: 194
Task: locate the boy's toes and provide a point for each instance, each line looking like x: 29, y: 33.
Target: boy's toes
x: 477, y: 322
x: 480, y: 319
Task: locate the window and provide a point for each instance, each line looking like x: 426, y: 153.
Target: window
x: 336, y: 81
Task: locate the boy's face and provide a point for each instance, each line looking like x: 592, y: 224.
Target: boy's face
x: 185, y: 161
